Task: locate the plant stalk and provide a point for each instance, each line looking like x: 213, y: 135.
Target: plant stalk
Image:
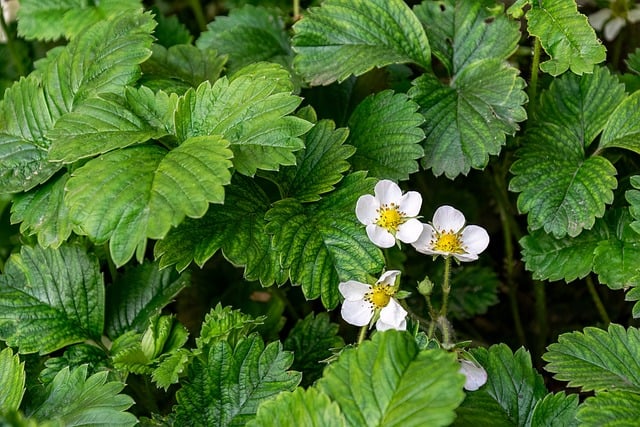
x: 363, y: 334
x: 446, y: 287
x: 597, y: 301
x: 533, y: 82
x: 196, y: 7
x: 296, y: 10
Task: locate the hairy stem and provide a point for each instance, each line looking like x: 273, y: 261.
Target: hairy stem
x: 446, y: 287
x: 363, y: 334
x: 296, y: 10
x: 533, y: 82
x: 597, y: 301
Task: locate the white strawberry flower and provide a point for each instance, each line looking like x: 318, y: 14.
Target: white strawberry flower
x: 475, y: 375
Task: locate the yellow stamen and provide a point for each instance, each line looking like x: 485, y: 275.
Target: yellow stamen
x: 380, y: 295
x: 448, y: 241
x: 390, y: 218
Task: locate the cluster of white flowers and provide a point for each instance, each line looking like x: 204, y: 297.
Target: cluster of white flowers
x: 612, y: 19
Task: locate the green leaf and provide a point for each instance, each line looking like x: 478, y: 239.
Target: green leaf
x: 323, y: 243
x: 156, y: 109
x: 73, y: 357
x: 75, y: 400
x: 226, y: 324
x: 170, y: 368
x: 170, y: 31
x: 617, y: 258
x: 481, y: 409
x: 596, y: 359
x: 53, y: 19
x: 311, y: 408
x: 169, y: 186
x: 237, y: 227
x: 313, y: 340
x: 42, y: 211
x: 634, y: 295
x: 226, y: 387
x: 511, y: 382
x: 473, y: 290
x: 50, y: 298
x: 350, y: 37
x: 248, y: 35
x: 566, y: 36
x: 615, y: 408
x: 633, y: 197
x: 12, y: 381
x: 385, y: 129
x: 252, y: 113
x: 623, y: 128
x: 556, y: 410
x: 319, y: 166
x: 388, y: 381
x: 138, y: 294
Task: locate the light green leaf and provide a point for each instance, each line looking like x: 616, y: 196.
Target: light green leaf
x: 156, y: 109
x: 350, y: 37
x: 42, y: 211
x: 227, y: 385
x: 617, y: 259
x: 313, y: 340
x: 385, y: 129
x: 634, y: 295
x: 169, y: 186
x: 73, y: 357
x: 248, y: 35
x: 566, y: 36
x: 309, y: 408
x: 319, y: 166
x: 138, y: 294
x: 608, y: 409
x: 237, y: 227
x: 323, y: 243
x: 75, y: 400
x: 556, y: 410
x: 53, y: 19
x: 170, y: 368
x: 467, y: 120
x: 389, y: 382
x: 252, y: 113
x: 623, y: 127
x: 12, y: 381
x: 596, y: 359
x: 226, y: 324
x: 50, y: 298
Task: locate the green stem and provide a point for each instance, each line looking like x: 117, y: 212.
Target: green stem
x: 540, y: 295
x: 446, y: 286
x: 597, y: 301
x: 296, y: 10
x: 363, y: 334
x: 276, y: 291
x: 17, y: 60
x: 535, y: 69
x: 196, y: 7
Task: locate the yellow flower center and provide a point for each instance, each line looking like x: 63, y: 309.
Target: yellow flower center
x: 448, y: 241
x: 380, y: 295
x: 390, y: 218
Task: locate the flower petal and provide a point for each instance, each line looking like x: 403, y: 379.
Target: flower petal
x: 465, y: 257
x: 380, y: 237
x: 475, y: 239
x: 357, y: 313
x: 381, y: 326
x: 392, y: 316
x: 410, y: 231
x: 448, y: 218
x: 387, y: 192
x: 389, y: 277
x: 476, y: 375
x: 367, y: 209
x: 613, y: 27
x: 633, y: 15
x: 410, y: 203
x: 352, y: 290
x: 423, y: 244
x: 598, y: 18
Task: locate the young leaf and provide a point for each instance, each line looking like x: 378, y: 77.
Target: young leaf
x: 226, y: 387
x: 12, y: 381
x: 302, y: 407
x: 617, y: 258
x: 138, y: 294
x: 169, y: 186
x: 171, y: 367
x: 388, y: 381
x: 248, y: 35
x: 623, y: 128
x: 50, y: 298
x: 225, y: 324
x: 610, y: 409
x: 596, y: 359
x: 565, y: 34
x: 237, y: 227
x: 385, y: 129
x: 75, y: 400
x: 323, y: 243
x: 556, y: 410
x: 156, y: 109
x: 75, y: 356
x: 350, y: 37
x: 312, y: 340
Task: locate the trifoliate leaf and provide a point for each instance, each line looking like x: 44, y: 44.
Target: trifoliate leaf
x: 138, y: 294
x: 50, y: 298
x: 42, y: 211
x: 385, y: 129
x: 388, y: 381
x: 164, y: 335
x: 75, y: 400
x: 350, y: 37
x: 226, y: 324
x: 313, y: 340
x: 252, y: 113
x: 556, y: 410
x: 226, y: 386
x: 596, y: 359
x: 12, y: 381
x: 323, y: 243
x: 623, y: 127
x: 319, y: 166
x: 169, y: 186
x: 566, y: 36
x: 171, y: 367
x: 237, y: 227
x: 511, y: 382
x: 615, y: 408
x: 617, y: 258
x: 248, y: 35
x: 302, y: 407
x: 53, y: 19
x: 75, y: 356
